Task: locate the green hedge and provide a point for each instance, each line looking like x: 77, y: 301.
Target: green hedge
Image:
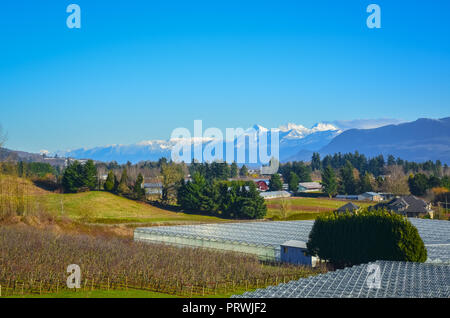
x: 349, y: 239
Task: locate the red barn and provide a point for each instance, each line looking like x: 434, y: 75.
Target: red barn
x: 262, y: 185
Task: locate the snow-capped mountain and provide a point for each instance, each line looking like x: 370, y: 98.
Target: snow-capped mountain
x: 293, y: 139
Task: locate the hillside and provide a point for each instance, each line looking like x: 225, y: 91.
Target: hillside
x: 107, y: 208
x: 421, y: 140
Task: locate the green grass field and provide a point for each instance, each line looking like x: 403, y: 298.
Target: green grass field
x: 99, y: 294
x: 106, y: 208
x: 131, y: 293
x: 300, y: 208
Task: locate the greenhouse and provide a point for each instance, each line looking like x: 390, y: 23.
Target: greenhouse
x: 260, y: 238
x: 265, y: 238
x: 395, y: 280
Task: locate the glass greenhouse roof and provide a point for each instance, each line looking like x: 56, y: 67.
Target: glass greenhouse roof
x: 397, y: 280
x: 435, y: 234
x: 256, y: 233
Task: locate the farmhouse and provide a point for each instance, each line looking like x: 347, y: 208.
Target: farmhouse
x: 153, y: 188
x: 367, y: 196
x: 262, y: 185
x: 309, y: 187
x: 349, y: 207
x: 372, y: 196
x: 407, y: 205
x: 354, y: 197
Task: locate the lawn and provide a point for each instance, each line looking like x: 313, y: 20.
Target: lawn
x: 300, y: 208
x: 106, y: 208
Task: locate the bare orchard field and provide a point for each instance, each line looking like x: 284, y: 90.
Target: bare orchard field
x: 300, y: 208
x: 34, y: 262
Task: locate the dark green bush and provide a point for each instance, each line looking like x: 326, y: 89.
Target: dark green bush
x: 350, y: 239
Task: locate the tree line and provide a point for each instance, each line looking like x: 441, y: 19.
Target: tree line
x: 228, y: 199
x: 354, y: 174
x: 376, y: 166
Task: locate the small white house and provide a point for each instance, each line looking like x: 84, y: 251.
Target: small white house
x: 309, y: 187
x: 275, y: 194
x: 294, y: 252
x: 153, y: 188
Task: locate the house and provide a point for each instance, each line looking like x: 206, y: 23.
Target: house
x: 387, y: 196
x: 349, y: 207
x: 294, y: 252
x: 354, y: 197
x: 407, y: 205
x: 367, y: 196
x: 262, y: 185
x: 372, y: 196
x: 309, y: 187
x: 153, y: 188
x: 275, y: 194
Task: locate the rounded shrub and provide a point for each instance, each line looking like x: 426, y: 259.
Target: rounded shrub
x: 349, y: 239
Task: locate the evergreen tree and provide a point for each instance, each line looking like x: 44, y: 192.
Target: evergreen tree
x: 348, y: 239
x: 391, y: 160
x: 434, y: 182
x: 234, y: 170
x: 275, y: 183
x: 418, y: 184
x: 365, y: 183
x: 89, y: 175
x: 72, y: 180
x: 329, y: 182
x: 315, y: 162
x: 138, y: 190
x: 109, y: 183
x: 348, y: 179
x: 293, y: 182
x: 244, y: 171
x: 123, y: 184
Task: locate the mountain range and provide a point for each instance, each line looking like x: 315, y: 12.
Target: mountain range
x: 292, y: 138
x: 420, y: 140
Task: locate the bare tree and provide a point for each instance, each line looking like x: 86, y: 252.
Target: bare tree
x: 395, y: 182
x: 284, y: 208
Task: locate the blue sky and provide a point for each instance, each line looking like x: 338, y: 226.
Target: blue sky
x: 138, y: 69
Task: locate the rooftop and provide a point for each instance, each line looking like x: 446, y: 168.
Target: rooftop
x: 348, y: 207
x: 397, y: 280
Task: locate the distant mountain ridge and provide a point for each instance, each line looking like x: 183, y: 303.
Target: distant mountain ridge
x: 15, y: 156
x: 292, y: 137
x: 420, y: 140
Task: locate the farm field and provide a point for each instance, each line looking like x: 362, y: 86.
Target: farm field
x: 300, y: 208
x: 40, y: 259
